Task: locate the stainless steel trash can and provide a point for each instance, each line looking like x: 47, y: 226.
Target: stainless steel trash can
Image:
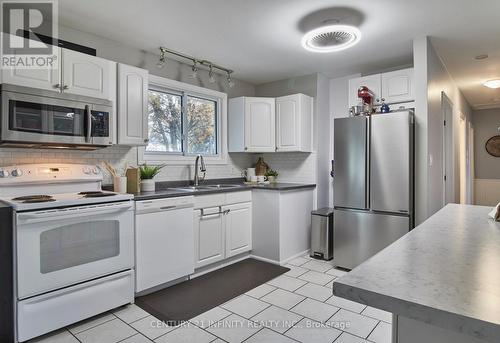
x: 322, y: 234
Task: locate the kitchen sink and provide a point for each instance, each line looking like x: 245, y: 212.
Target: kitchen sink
x: 208, y: 187
x: 223, y: 186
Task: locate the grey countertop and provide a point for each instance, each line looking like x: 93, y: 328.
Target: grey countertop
x: 170, y: 192
x: 445, y: 272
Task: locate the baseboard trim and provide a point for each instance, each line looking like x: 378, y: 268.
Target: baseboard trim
x: 282, y: 262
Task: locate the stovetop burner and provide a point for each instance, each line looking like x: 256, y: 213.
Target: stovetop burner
x: 32, y: 201
x: 95, y: 194
x: 34, y: 198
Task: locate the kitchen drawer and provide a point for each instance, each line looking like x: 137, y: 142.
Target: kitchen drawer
x: 145, y: 205
x: 201, y: 201
x: 237, y: 197
x: 47, y: 312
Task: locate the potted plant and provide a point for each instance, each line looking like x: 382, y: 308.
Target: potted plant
x: 147, y: 175
x: 271, y: 175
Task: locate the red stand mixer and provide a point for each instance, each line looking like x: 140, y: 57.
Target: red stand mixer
x: 366, y: 95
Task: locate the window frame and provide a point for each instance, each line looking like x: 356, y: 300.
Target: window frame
x: 162, y: 84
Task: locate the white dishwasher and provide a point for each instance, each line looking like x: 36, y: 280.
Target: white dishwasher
x: 164, y: 241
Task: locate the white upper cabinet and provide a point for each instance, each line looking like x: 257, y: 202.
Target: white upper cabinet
x: 132, y: 105
x: 373, y: 82
x: 88, y: 75
x: 294, y: 123
x: 72, y: 72
x: 397, y: 86
x: 392, y: 87
x: 251, y: 123
x: 42, y: 78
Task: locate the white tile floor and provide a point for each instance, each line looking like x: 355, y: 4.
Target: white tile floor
x: 295, y: 307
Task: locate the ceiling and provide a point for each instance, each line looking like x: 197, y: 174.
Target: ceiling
x: 260, y: 39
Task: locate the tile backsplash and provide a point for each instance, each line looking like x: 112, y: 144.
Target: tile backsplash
x: 118, y: 156
x: 292, y: 167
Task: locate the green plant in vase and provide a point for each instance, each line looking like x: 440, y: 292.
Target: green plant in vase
x: 271, y: 175
x: 147, y: 174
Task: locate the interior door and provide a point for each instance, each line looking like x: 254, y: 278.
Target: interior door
x: 88, y: 75
x: 260, y: 125
x: 287, y: 123
x: 209, y: 236
x: 391, y: 162
x: 350, y: 164
x: 238, y: 228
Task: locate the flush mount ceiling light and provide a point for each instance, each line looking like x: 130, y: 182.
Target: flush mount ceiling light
x: 492, y: 83
x: 331, y: 38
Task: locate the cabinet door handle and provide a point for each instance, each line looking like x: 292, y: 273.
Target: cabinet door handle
x: 168, y: 207
x: 57, y: 86
x: 65, y: 87
x: 146, y: 140
x: 226, y: 212
x: 246, y: 148
x: 202, y: 214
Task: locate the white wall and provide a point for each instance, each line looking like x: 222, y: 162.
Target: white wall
x: 486, y: 125
x: 432, y: 78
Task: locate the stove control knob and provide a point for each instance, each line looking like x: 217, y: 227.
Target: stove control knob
x: 95, y: 170
x: 4, y: 173
x: 16, y: 172
x: 87, y: 170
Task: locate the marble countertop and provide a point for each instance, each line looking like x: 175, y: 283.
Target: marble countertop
x: 445, y: 272
x: 171, y: 192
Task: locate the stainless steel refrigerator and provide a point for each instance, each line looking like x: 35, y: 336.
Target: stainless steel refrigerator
x: 373, y: 182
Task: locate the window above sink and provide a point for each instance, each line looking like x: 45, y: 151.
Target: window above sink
x: 184, y: 120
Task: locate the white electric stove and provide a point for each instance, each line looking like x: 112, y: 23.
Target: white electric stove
x: 38, y: 186
x: 74, y: 245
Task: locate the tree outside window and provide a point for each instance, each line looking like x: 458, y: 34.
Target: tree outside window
x: 168, y: 124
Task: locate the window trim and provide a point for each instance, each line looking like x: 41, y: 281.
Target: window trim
x: 176, y: 87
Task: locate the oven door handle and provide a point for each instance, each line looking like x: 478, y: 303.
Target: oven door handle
x: 72, y: 212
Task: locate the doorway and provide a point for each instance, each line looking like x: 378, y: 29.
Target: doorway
x: 448, y: 160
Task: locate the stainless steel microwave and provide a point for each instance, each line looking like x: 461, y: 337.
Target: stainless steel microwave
x: 33, y: 117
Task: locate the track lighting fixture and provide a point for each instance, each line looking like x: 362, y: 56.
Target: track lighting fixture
x: 211, y: 76
x: 163, y: 59
x: 194, y: 70
x: 195, y: 67
x: 230, y: 81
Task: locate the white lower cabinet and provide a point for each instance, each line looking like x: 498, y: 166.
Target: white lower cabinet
x: 238, y: 228
x: 223, y: 226
x: 282, y: 223
x: 209, y: 236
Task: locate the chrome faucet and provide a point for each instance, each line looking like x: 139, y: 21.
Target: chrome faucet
x: 202, y: 169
